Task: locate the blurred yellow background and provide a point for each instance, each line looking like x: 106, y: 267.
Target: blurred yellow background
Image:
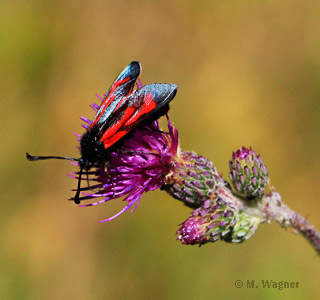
x: 248, y: 74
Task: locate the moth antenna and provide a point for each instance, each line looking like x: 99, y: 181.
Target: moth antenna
x: 88, y: 180
x: 76, y: 198
x: 35, y: 158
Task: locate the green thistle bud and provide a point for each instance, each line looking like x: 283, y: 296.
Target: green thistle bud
x: 248, y: 174
x: 243, y: 229
x: 214, y: 220
x: 193, y: 179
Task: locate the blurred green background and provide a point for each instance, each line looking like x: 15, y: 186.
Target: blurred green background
x: 248, y: 74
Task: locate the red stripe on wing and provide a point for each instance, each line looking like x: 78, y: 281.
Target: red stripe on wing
x: 130, y: 117
x: 147, y: 106
x: 108, y: 137
x: 116, y: 137
x: 110, y: 98
x: 121, y: 102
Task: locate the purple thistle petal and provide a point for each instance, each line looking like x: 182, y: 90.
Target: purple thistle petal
x: 139, y: 83
x: 95, y: 106
x: 95, y: 203
x: 99, y: 97
x: 86, y: 120
x: 71, y: 175
x: 97, y: 195
x: 118, y: 214
x: 127, y: 207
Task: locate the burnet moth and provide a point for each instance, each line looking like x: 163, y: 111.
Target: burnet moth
x: 121, y: 110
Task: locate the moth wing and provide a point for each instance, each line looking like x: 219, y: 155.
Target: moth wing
x: 147, y: 103
x: 121, y: 88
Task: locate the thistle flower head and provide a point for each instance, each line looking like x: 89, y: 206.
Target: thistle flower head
x: 140, y: 164
x: 244, y: 227
x: 194, y: 179
x: 212, y: 221
x: 248, y: 173
x: 221, y: 218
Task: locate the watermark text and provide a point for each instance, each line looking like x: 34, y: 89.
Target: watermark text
x: 267, y: 284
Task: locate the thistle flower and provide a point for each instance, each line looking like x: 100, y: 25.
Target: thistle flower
x: 248, y: 174
x: 141, y: 164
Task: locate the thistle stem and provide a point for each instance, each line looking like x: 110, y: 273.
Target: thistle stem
x: 307, y: 231
x: 275, y: 210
